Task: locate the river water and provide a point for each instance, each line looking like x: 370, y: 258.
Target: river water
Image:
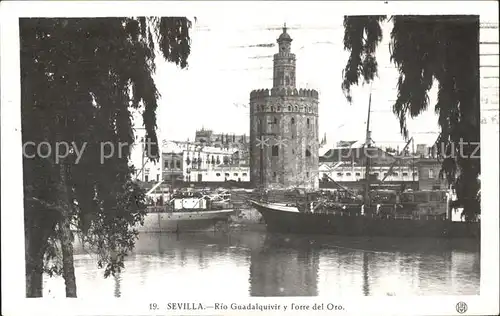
x: 242, y: 264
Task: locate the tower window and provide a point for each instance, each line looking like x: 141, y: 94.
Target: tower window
x: 308, y: 122
x: 275, y: 151
x: 272, y: 108
x: 296, y: 108
x: 275, y: 121
x: 279, y: 108
x: 293, y: 120
x: 308, y: 153
x: 289, y: 108
x: 431, y: 174
x: 281, y: 75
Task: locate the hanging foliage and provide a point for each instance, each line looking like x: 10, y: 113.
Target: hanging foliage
x: 80, y: 78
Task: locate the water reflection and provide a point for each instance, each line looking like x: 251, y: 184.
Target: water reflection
x: 366, y: 281
x: 238, y: 265
x: 284, y: 266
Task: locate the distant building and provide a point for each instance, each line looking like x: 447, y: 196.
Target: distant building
x: 429, y: 175
x: 346, y: 166
x: 188, y: 162
x: 221, y: 173
x: 358, y: 155
x: 422, y: 150
x: 209, y: 138
x: 349, y: 143
x: 284, y: 139
x: 173, y: 162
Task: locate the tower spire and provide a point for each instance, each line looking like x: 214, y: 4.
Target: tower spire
x: 284, y: 62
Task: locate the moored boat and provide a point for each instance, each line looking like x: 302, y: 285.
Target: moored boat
x: 355, y: 220
x: 187, y: 212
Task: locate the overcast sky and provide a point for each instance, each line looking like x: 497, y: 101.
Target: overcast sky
x: 224, y: 67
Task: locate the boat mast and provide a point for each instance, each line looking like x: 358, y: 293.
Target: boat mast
x: 367, y: 155
x: 261, y: 130
x: 142, y: 157
x: 413, y: 159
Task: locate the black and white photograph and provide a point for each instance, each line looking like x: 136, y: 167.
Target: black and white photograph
x: 225, y: 158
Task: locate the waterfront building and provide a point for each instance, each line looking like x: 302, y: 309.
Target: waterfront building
x: 429, y: 175
x: 346, y: 166
x: 190, y: 162
x: 284, y: 139
x: 221, y: 173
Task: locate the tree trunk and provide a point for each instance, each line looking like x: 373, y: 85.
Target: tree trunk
x: 66, y: 235
x: 39, y: 224
x: 33, y: 261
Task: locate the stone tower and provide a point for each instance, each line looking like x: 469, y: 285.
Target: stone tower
x: 284, y: 139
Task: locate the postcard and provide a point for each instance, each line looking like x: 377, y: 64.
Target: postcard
x: 234, y: 158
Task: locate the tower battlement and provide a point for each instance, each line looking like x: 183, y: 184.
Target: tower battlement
x: 282, y: 91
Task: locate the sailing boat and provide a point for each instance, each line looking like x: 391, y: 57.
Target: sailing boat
x: 372, y: 215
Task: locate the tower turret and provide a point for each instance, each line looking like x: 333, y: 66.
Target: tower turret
x: 284, y: 62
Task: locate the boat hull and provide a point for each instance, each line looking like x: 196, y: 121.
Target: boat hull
x: 183, y: 221
x: 355, y: 224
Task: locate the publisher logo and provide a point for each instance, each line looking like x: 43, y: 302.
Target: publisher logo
x: 461, y: 307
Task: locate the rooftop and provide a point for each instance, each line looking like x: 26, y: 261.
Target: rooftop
x: 284, y: 36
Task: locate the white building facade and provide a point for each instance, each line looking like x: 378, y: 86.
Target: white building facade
x: 191, y: 162
x: 343, y: 172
